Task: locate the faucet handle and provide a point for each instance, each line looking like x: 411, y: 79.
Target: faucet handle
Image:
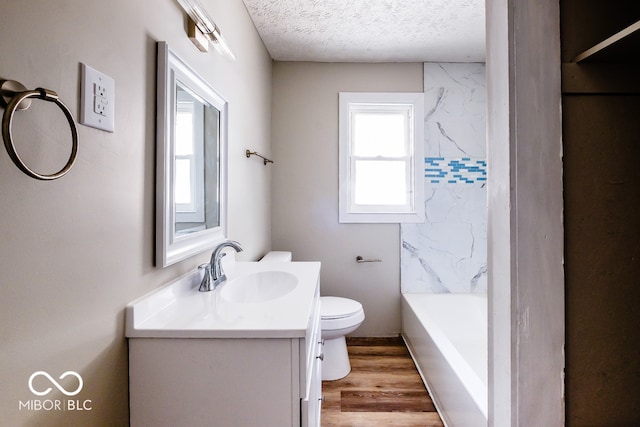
x: 205, y: 285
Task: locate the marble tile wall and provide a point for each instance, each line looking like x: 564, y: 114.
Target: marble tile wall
x: 448, y: 252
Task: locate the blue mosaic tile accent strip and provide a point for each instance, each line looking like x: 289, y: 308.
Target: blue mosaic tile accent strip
x: 464, y: 170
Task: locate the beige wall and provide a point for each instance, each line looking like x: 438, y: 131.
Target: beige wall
x: 305, y: 185
x: 75, y: 251
x: 525, y: 230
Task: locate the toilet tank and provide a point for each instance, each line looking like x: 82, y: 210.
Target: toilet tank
x: 277, y: 256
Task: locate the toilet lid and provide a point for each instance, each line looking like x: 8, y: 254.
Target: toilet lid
x: 337, y: 308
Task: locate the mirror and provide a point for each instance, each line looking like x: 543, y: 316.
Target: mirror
x: 191, y: 162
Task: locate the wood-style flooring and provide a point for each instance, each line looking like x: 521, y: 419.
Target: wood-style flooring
x: 383, y: 389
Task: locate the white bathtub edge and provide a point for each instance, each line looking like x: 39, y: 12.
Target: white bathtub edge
x: 455, y: 403
x: 436, y: 402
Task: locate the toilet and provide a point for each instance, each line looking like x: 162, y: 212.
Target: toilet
x: 338, y: 318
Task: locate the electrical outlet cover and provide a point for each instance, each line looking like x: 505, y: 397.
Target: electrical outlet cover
x: 97, y: 99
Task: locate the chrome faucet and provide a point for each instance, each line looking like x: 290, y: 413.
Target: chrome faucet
x: 213, y: 273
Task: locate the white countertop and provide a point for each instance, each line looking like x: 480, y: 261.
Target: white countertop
x: 179, y: 310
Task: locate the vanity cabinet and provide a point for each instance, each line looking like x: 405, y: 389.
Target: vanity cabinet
x: 237, y: 378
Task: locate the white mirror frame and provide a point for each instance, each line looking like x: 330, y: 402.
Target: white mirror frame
x: 171, y: 248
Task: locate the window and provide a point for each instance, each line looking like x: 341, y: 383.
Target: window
x: 189, y: 159
x: 381, y: 160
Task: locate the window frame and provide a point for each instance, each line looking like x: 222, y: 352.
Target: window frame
x: 413, y: 210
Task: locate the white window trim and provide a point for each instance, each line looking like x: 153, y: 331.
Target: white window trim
x: 416, y: 100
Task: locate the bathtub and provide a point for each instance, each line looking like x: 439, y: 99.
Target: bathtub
x: 447, y: 337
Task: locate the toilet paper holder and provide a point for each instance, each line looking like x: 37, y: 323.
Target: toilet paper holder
x: 360, y: 259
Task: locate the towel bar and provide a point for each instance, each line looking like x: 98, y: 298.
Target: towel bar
x: 249, y: 153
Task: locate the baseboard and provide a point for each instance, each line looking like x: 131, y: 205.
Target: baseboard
x: 396, y: 340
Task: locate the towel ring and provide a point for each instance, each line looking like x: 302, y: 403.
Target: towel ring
x: 12, y: 106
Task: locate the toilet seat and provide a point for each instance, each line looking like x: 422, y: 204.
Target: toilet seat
x: 337, y: 314
x: 338, y: 308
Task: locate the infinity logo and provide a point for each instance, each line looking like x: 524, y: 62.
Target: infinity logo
x: 55, y: 383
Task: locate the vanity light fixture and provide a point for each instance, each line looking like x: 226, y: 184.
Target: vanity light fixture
x: 202, y: 30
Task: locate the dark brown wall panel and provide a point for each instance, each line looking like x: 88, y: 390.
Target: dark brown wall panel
x: 602, y: 231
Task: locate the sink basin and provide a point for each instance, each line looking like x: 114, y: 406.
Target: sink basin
x: 258, y: 287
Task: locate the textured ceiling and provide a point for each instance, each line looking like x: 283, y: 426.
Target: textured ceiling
x: 371, y: 30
